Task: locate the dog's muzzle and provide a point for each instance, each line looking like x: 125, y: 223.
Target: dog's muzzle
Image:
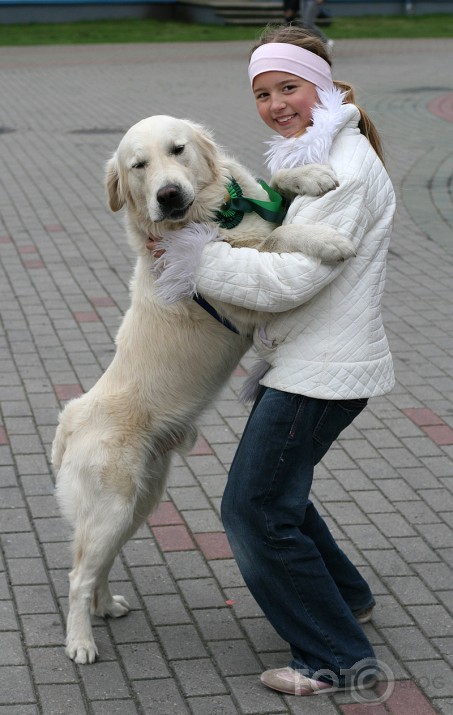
x: 173, y: 201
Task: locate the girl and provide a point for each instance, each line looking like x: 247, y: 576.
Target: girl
x: 327, y: 353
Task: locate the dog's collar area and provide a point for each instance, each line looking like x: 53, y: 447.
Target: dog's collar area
x: 236, y: 205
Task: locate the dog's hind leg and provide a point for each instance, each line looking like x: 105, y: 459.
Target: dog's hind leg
x: 97, y: 542
x: 95, y: 548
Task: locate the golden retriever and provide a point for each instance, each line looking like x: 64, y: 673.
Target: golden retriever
x: 113, y: 445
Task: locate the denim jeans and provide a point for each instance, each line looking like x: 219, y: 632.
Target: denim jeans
x: 306, y: 586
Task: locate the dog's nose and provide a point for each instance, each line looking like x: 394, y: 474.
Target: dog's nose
x: 169, y: 195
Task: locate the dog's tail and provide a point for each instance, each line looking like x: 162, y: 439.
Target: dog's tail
x: 251, y: 385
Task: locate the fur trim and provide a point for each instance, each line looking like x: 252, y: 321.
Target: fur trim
x: 175, y: 269
x: 314, y: 145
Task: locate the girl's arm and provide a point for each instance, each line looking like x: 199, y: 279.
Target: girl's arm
x: 278, y: 282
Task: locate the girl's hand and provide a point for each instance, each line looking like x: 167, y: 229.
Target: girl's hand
x: 152, y: 245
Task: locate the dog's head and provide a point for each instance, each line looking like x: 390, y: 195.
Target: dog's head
x: 159, y: 168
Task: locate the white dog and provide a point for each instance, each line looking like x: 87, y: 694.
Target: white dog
x: 113, y: 445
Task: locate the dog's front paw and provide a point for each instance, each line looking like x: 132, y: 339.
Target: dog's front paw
x: 318, y: 180
x: 336, y: 249
x: 314, y: 180
x: 81, y: 651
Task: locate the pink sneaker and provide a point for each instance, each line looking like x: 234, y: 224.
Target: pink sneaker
x: 290, y: 681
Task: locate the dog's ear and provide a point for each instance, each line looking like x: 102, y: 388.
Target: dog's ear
x: 208, y: 148
x: 115, y: 193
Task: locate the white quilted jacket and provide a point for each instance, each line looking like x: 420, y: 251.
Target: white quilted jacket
x: 326, y: 339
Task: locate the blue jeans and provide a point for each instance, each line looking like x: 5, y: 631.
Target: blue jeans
x: 305, y: 585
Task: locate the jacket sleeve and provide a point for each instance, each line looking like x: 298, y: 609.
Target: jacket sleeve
x: 279, y: 282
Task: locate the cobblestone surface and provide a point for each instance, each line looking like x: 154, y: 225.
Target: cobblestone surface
x: 195, y: 641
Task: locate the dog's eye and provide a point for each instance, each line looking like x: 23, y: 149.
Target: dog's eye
x: 178, y: 149
x: 139, y: 165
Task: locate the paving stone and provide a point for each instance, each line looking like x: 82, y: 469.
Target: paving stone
x: 434, y: 620
x: 180, y: 641
x: 50, y: 665
x: 133, y: 628
x: 410, y: 590
x: 153, y: 580
x: 434, y: 678
x: 367, y: 535
x: 388, y: 612
x: 104, y: 681
x: 318, y: 706
x: 198, y: 677
x: 393, y: 525
x: 253, y: 697
x: 43, y: 630
x: 437, y: 535
x: 202, y: 520
x: 437, y: 576
x: 202, y: 593
x: 114, y: 707
x: 11, y: 652
x: 213, y: 705
x: 227, y: 573
x: 217, y: 624
x: 143, y: 661
x: 160, y: 697
x: 27, y: 571
x: 388, y: 563
x: 414, y: 549
x: 34, y: 599
x: 443, y: 706
x: 262, y: 635
x: 57, y: 699
x: 142, y: 552
x: 15, y: 685
x: 8, y: 621
x: 166, y: 609
x: 409, y: 643
x: 234, y: 657
x: 187, y: 564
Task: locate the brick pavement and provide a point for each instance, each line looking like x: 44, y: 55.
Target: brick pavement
x: 195, y: 641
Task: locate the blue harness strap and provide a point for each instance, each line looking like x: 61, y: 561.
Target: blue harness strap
x: 212, y: 311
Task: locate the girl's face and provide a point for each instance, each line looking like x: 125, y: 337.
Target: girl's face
x: 285, y: 102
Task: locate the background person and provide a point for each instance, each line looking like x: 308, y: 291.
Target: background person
x: 309, y: 11
x: 290, y: 8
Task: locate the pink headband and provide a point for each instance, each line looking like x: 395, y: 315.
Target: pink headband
x: 284, y: 57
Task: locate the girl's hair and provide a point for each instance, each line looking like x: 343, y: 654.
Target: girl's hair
x: 294, y: 35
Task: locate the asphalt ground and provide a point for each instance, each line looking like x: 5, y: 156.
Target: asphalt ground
x: 195, y: 642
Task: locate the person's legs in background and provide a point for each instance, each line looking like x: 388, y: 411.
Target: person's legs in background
x: 290, y: 10
x: 309, y: 10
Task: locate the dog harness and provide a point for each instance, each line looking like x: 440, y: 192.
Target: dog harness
x: 231, y: 214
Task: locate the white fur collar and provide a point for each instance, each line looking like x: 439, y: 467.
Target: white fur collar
x: 312, y: 147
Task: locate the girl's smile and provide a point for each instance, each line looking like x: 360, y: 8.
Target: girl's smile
x: 285, y: 102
